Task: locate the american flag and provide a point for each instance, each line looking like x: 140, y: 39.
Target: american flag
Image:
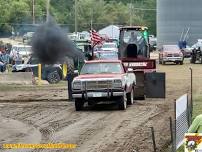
x: 96, y: 38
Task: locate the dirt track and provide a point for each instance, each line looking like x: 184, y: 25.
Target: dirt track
x: 101, y: 128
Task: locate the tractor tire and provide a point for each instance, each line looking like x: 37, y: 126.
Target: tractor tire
x: 130, y: 97
x: 201, y: 59
x: 70, y: 66
x: 79, y: 104
x: 122, y: 102
x: 53, y: 77
x: 193, y: 59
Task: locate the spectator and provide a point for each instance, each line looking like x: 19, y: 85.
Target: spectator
x: 133, y: 38
x: 196, y: 126
x: 17, y: 58
x: 4, y: 60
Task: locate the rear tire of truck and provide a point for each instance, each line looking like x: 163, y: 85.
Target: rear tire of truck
x: 79, y: 104
x: 122, y: 102
x: 130, y: 98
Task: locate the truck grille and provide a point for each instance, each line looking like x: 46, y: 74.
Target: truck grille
x: 173, y: 55
x: 93, y: 85
x: 176, y: 55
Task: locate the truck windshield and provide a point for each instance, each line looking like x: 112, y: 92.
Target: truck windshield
x: 98, y: 68
x: 107, y: 55
x: 131, y: 36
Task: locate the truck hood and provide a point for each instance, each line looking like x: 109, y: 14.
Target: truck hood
x: 99, y: 76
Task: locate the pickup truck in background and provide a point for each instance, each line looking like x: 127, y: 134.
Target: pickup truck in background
x: 104, y: 81
x: 170, y: 53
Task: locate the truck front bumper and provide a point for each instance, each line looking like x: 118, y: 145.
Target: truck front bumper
x: 172, y: 59
x: 97, y: 94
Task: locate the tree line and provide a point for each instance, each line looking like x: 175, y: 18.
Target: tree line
x: 90, y: 13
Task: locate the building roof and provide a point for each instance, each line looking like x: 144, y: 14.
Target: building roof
x: 111, y: 31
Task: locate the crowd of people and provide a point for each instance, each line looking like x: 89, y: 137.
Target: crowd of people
x: 7, y: 59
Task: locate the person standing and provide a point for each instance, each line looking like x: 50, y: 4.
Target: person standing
x: 4, y: 60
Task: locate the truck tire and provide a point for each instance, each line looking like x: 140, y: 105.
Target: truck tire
x: 122, y: 102
x: 130, y: 97
x: 79, y: 104
x: 181, y: 62
x: 53, y: 77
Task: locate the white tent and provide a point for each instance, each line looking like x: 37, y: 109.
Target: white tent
x: 111, y: 31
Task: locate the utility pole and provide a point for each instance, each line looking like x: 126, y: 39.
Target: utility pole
x: 47, y: 9
x: 130, y: 12
x: 33, y: 11
x: 75, y: 15
x: 91, y: 20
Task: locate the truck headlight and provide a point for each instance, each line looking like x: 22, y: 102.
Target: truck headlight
x: 117, y: 84
x: 76, y: 85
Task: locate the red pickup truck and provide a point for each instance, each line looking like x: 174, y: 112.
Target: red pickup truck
x: 104, y: 81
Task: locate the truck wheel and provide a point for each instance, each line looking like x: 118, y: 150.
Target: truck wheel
x: 123, y: 102
x: 53, y: 77
x: 130, y: 98
x: 79, y: 104
x: 181, y: 62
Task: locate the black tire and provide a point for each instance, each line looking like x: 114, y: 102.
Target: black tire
x: 122, y: 103
x: 130, y: 98
x: 79, y: 104
x: 160, y: 62
x: 181, y: 62
x: 70, y: 65
x: 193, y: 59
x: 201, y: 59
x: 53, y: 77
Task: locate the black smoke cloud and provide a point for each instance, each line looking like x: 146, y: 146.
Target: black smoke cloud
x: 50, y: 44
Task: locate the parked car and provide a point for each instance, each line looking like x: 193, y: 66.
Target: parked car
x: 106, y: 55
x: 51, y: 73
x: 109, y: 46
x: 104, y: 81
x: 170, y: 53
x: 27, y: 37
